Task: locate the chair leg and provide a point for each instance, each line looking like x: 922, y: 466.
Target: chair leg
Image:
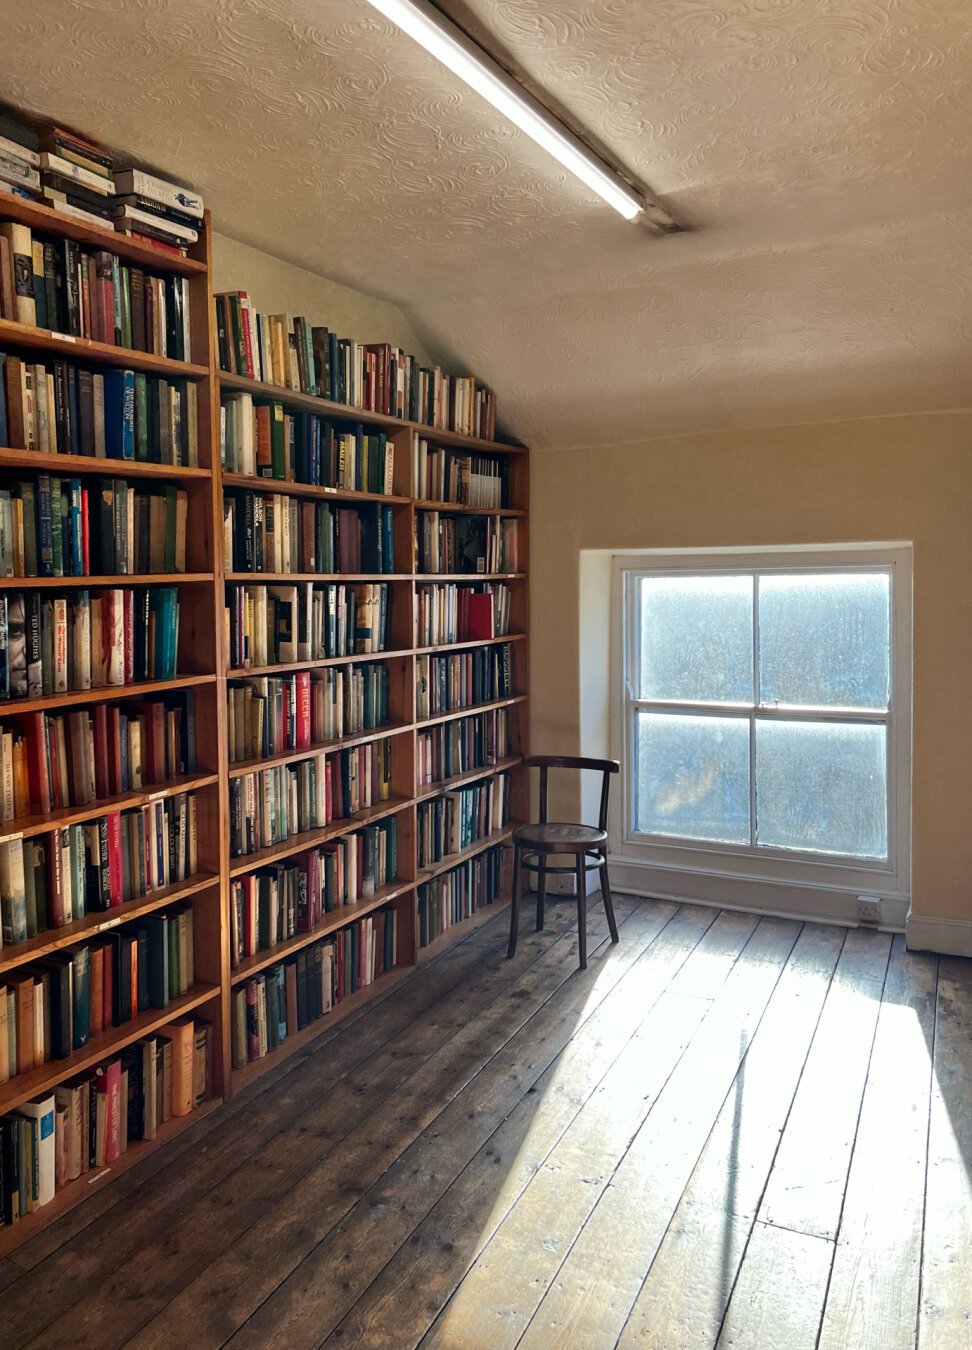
x: 541, y: 893
x: 608, y: 901
x: 582, y: 910
x: 514, y: 903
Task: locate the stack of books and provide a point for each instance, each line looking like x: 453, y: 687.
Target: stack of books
x: 19, y: 159
x: 77, y: 177
x: 152, y: 209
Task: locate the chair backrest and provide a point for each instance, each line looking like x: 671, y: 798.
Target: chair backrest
x: 606, y: 767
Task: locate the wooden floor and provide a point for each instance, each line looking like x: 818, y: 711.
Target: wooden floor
x: 725, y: 1132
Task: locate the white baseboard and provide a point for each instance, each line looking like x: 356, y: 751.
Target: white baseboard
x: 815, y: 904
x: 948, y: 937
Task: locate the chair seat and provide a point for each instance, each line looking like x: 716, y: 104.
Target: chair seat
x: 559, y: 837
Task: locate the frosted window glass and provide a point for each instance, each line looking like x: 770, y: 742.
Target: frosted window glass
x: 693, y: 777
x: 822, y: 788
x: 824, y: 640
x: 697, y: 639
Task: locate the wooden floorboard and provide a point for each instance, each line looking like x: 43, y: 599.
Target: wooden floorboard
x: 728, y: 1131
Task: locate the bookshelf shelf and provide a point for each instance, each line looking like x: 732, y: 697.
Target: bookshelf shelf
x: 203, y: 594
x: 24, y: 1086
x: 455, y: 859
x: 441, y: 941
x: 469, y: 776
x: 307, y: 1035
x: 473, y: 708
x: 298, y: 843
x: 244, y: 766
x: 330, y: 494
x: 25, y: 827
x: 40, y: 462
x: 333, y: 921
x: 103, y: 694
x: 103, y: 581
x: 76, y: 1192
x: 102, y: 353
x: 47, y: 221
x: 324, y: 407
x: 103, y: 921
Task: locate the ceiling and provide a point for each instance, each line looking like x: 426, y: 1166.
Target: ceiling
x: 817, y: 150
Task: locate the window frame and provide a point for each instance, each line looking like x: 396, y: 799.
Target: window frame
x: 763, y: 862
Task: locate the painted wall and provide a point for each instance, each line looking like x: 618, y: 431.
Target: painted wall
x: 277, y: 287
x: 899, y: 478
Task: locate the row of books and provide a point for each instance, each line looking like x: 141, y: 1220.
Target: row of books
x: 269, y: 532
x: 271, y: 805
x: 263, y: 439
x: 52, y: 644
x: 450, y: 748
x: 58, y: 527
x: 270, y: 625
x: 452, y: 612
x: 54, y: 760
x: 92, y: 293
x: 276, y: 903
x: 460, y: 893
x: 462, y: 679
x: 454, y: 821
x: 285, y: 350
x: 285, y: 998
x: 269, y: 716
x: 50, y: 880
x: 440, y: 474
x: 57, y: 407
x: 466, y: 543
x: 53, y: 1007
x: 88, y: 1123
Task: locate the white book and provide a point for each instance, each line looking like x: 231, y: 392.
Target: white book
x: 42, y: 1111
x: 180, y: 234
x: 18, y: 151
x: 135, y: 182
x: 14, y: 170
x: 104, y: 187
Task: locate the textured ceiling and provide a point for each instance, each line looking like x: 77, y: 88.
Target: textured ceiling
x: 817, y: 149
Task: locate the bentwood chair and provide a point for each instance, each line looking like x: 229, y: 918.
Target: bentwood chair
x: 534, y: 844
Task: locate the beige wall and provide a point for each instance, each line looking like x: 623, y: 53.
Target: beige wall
x: 901, y: 478
x: 277, y: 287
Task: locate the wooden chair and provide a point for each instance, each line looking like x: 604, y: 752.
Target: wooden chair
x: 534, y: 844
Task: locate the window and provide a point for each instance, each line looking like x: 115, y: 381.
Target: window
x: 761, y: 706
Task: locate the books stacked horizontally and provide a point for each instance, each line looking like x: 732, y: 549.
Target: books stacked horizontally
x: 155, y: 210
x: 77, y: 177
x: 287, y: 351
x: 19, y: 159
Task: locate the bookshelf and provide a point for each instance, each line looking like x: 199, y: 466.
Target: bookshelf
x: 415, y: 908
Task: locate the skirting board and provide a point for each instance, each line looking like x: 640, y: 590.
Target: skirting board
x: 947, y: 937
x: 809, y: 903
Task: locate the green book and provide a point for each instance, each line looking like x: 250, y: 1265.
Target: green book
x: 81, y: 986
x: 141, y: 416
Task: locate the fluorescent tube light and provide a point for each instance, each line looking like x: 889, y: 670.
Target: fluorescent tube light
x: 448, y: 44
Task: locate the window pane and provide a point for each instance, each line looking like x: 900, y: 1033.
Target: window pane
x: 822, y: 787
x: 697, y: 638
x: 693, y: 777
x: 824, y: 640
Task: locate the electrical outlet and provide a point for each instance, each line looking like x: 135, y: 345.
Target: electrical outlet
x: 868, y: 910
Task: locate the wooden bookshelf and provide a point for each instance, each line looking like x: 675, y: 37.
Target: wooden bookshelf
x: 204, y: 669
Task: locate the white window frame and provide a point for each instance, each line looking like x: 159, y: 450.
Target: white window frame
x: 786, y: 867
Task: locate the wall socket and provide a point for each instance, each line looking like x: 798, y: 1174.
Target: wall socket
x: 868, y: 910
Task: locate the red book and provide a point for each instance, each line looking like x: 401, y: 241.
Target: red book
x: 480, y: 616
x: 328, y: 792
x: 101, y: 750
x: 153, y: 744
x: 96, y: 958
x: 129, y: 637
x: 302, y: 681
x: 54, y: 761
x: 115, y: 890
x: 108, y: 1080
x: 36, y: 731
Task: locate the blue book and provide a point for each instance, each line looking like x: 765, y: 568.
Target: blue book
x: 120, y: 414
x: 77, y: 551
